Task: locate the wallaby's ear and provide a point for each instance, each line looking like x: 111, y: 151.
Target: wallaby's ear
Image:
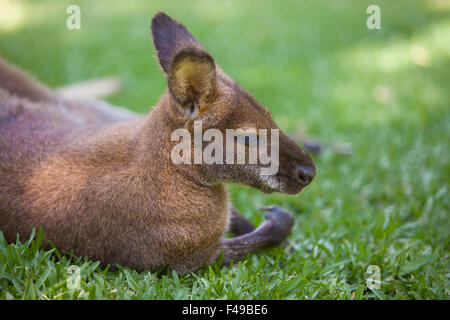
x: 192, y: 78
x: 170, y: 36
x: 190, y: 70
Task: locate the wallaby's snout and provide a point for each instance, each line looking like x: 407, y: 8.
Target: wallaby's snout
x: 297, y: 169
x: 305, y: 169
x: 306, y: 174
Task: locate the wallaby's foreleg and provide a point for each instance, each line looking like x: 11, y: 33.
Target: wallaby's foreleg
x: 272, y: 232
x: 238, y: 224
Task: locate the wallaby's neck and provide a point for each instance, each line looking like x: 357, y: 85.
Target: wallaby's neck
x: 154, y: 144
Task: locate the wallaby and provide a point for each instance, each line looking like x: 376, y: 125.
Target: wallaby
x: 101, y: 181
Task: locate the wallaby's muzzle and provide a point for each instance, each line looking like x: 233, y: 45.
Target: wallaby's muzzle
x: 297, y: 169
x: 306, y: 174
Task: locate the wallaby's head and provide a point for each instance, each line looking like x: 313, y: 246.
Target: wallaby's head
x: 200, y: 92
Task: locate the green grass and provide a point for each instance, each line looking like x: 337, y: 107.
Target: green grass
x: 317, y: 67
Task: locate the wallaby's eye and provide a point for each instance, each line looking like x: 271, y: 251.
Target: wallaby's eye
x: 248, y: 138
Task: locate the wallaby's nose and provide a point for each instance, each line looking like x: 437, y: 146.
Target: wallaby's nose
x: 306, y: 174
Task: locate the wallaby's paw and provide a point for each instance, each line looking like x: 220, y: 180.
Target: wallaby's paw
x: 279, y: 224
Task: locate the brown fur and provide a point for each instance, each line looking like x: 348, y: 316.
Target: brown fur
x: 100, y: 181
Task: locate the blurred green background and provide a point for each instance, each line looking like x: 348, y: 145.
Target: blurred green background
x: 321, y: 72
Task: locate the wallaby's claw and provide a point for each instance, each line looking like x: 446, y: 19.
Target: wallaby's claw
x: 269, y: 208
x: 280, y: 223
x: 279, y: 215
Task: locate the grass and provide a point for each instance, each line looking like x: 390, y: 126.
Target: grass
x: 317, y: 67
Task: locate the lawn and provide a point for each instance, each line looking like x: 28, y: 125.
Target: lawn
x: 321, y: 72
